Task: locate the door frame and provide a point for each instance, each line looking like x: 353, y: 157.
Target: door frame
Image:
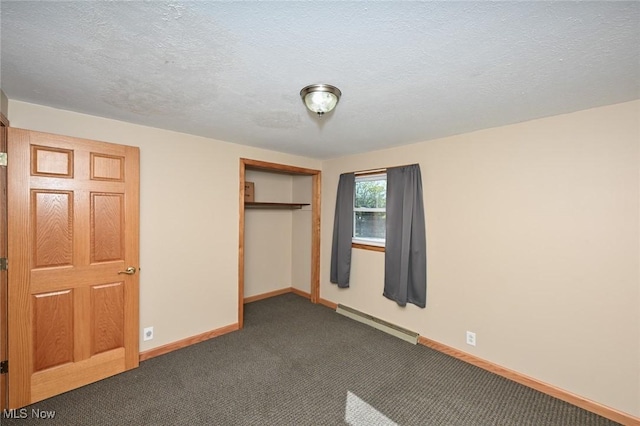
x: 316, y: 175
x: 4, y: 279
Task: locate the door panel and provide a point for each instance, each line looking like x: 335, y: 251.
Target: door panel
x: 52, y: 329
x: 52, y: 225
x: 107, y: 305
x: 48, y: 161
x: 73, y: 230
x: 107, y: 227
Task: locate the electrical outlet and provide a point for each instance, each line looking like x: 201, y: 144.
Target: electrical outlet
x: 471, y: 338
x: 147, y: 334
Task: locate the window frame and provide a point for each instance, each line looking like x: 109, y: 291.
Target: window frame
x: 375, y: 244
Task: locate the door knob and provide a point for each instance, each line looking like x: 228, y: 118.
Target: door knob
x: 130, y: 271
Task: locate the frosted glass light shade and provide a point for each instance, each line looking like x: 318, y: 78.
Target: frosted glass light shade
x: 320, y: 98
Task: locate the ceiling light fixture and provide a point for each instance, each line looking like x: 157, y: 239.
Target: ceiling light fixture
x: 320, y: 98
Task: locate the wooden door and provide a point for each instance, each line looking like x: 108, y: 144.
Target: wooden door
x: 3, y: 254
x: 73, y: 232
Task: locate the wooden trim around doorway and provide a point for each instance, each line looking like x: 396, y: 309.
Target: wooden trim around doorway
x: 241, y: 247
x: 249, y: 164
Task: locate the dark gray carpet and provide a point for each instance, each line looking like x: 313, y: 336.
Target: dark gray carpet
x: 294, y: 363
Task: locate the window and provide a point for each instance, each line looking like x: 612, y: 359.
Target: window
x: 370, y: 209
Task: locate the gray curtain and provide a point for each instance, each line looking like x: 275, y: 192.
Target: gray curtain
x: 405, y: 260
x: 343, y: 231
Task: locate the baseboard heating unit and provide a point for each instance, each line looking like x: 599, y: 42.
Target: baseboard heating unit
x: 377, y: 323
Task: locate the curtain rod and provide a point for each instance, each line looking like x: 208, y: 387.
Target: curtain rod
x: 379, y: 170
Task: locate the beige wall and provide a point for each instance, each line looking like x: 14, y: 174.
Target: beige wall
x: 189, y: 217
x: 533, y: 244
x: 278, y: 242
x: 533, y: 240
x: 267, y: 235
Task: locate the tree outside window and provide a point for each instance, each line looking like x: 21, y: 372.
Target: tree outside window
x: 369, y: 209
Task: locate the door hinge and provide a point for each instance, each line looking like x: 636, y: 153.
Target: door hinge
x: 4, y: 264
x: 4, y: 367
x: 3, y: 159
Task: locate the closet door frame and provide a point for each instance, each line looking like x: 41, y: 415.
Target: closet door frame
x: 316, y: 175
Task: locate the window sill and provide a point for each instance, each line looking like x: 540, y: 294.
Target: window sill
x: 367, y: 247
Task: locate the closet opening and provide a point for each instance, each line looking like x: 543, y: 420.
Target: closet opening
x: 303, y: 201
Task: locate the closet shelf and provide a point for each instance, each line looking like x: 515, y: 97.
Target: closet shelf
x: 284, y: 206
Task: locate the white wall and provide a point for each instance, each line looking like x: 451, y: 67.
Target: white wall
x: 189, y: 217
x: 533, y: 243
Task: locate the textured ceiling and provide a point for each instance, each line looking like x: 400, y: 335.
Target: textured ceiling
x: 408, y: 71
